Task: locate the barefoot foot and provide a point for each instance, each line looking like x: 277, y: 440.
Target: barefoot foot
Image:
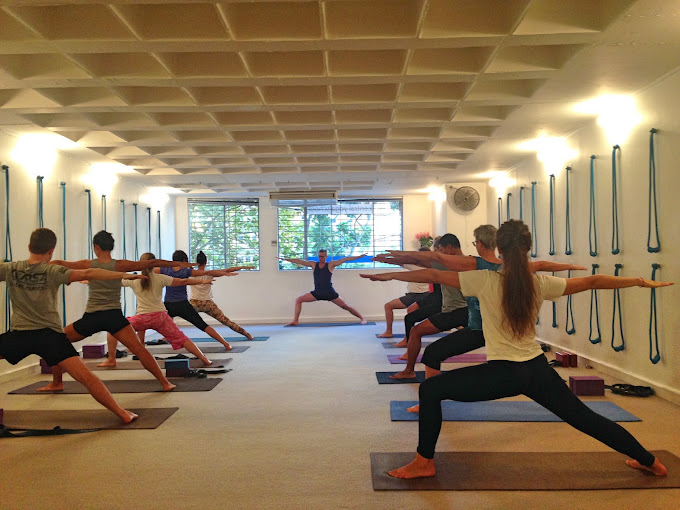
x: 386, y: 334
x: 249, y: 336
x: 404, y: 374
x: 401, y: 344
x: 129, y: 417
x: 207, y: 363
x: 228, y: 346
x: 414, y: 409
x: 364, y: 321
x: 52, y: 387
x: 404, y: 356
x: 657, y: 468
x: 107, y: 363
x: 169, y: 386
x: 419, y: 468
x: 292, y: 323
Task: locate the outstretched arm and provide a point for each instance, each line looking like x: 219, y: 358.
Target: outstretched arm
x: 336, y: 263
x: 548, y: 265
x: 449, y: 278
x: 423, y: 258
x: 78, y: 275
x: 299, y: 262
x: 388, y: 258
x: 603, y: 281
x: 138, y: 265
x: 179, y: 282
x: 77, y: 264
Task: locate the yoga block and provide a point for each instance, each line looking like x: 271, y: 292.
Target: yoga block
x: 586, y: 385
x: 94, y: 351
x: 44, y: 367
x: 176, y: 367
x: 573, y: 360
x: 2, y: 417
x: 563, y: 358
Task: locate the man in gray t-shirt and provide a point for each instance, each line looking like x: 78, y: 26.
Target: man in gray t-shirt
x: 35, y: 324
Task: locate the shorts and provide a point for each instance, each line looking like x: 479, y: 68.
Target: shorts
x: 163, y: 324
x: 50, y: 345
x: 411, y: 297
x: 105, y: 320
x: 187, y: 312
x: 325, y: 296
x: 445, y: 321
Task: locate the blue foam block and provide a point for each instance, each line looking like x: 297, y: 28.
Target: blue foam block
x: 504, y: 411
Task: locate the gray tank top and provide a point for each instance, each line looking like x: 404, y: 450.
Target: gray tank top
x: 452, y: 298
x: 104, y: 294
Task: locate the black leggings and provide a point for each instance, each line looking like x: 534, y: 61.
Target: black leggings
x: 422, y: 313
x: 535, y: 379
x: 459, y: 342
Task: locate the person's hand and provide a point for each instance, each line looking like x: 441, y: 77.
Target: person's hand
x: 132, y: 276
x: 653, y: 284
x: 579, y: 268
x: 379, y: 277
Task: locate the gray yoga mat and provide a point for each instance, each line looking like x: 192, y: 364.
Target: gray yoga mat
x: 525, y: 471
x: 384, y: 378
x: 149, y: 418
x: 230, y: 339
x: 504, y: 410
x: 329, y: 324
x: 391, y: 345
x: 133, y: 364
x: 205, y: 349
x: 126, y: 386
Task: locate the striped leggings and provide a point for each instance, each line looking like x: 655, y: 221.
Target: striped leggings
x: 208, y: 306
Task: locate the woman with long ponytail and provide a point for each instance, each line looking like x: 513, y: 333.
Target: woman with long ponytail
x: 509, y: 301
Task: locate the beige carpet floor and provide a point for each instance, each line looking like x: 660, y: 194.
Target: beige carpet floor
x: 291, y: 427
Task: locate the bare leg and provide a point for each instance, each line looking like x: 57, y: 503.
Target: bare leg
x: 193, y: 349
x: 414, y: 343
x: 112, y: 343
x: 305, y: 298
x: 419, y: 468
x: 341, y: 303
x: 129, y: 339
x: 214, y: 334
x: 390, y: 306
x: 57, y: 383
x: 77, y: 369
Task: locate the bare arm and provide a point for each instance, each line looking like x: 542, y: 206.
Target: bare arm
x: 547, y: 265
x: 78, y: 264
x: 138, y: 265
x: 78, y: 275
x: 387, y: 258
x: 603, y: 281
x: 423, y: 258
x: 179, y: 282
x: 449, y: 278
x: 336, y: 263
x: 300, y: 262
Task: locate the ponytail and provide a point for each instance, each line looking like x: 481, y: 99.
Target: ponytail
x: 146, y: 284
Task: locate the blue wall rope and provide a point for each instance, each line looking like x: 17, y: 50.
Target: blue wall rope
x: 551, y: 251
x: 134, y: 205
x: 615, y: 207
x: 567, y: 248
x: 122, y: 207
x: 507, y: 206
x: 521, y: 213
x: 39, y: 180
x: 653, y: 320
x: 8, y: 245
x: 652, y: 198
x: 617, y: 299
x: 104, y: 211
x: 148, y: 214
x: 594, y: 304
x: 534, y: 235
x: 570, y: 313
x: 90, y: 252
x: 62, y: 184
x: 500, y: 206
x: 158, y: 214
x: 554, y: 311
x: 592, y: 225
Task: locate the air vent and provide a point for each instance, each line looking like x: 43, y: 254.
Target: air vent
x: 302, y: 198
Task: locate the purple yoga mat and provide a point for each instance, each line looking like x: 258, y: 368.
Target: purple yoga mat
x: 469, y: 357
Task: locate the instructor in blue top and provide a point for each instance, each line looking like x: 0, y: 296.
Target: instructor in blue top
x: 323, y: 287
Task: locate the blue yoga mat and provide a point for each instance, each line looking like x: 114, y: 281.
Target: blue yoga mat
x: 329, y: 324
x: 504, y: 411
x: 231, y: 339
x: 384, y: 378
x: 399, y: 336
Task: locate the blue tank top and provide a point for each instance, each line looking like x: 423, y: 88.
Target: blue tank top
x: 322, y: 279
x: 474, y: 313
x: 174, y: 294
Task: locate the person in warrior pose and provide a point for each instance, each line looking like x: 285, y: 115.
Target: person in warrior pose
x: 35, y: 325
x: 323, y: 287
x: 202, y: 299
x: 103, y: 311
x: 509, y: 301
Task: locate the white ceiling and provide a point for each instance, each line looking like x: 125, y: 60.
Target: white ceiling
x: 362, y: 96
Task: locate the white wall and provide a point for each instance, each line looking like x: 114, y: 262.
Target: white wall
x: 660, y: 108
x: 268, y: 295
x: 23, y: 216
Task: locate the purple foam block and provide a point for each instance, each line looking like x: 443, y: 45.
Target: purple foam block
x: 94, y: 351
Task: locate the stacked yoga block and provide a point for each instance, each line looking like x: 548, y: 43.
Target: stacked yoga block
x: 176, y: 367
x: 44, y: 367
x: 94, y: 351
x: 586, y: 385
x: 567, y: 359
x: 2, y: 417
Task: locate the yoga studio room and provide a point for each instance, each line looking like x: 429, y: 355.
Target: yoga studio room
x: 416, y: 254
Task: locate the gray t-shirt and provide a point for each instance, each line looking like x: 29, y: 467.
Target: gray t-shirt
x: 104, y: 294
x: 452, y: 298
x: 33, y: 293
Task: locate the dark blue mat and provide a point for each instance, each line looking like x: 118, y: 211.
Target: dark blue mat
x: 384, y: 378
x: 231, y: 339
x: 329, y: 324
x: 504, y: 411
x: 399, y: 336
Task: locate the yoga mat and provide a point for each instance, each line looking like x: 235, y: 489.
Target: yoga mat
x: 390, y: 345
x: 133, y: 364
x: 149, y: 418
x: 384, y: 378
x: 125, y: 386
x: 401, y: 335
x: 328, y: 324
x: 525, y: 471
x: 205, y: 349
x: 469, y: 357
x: 506, y: 410
x: 230, y: 339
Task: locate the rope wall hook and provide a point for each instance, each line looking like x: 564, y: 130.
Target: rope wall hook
x: 592, y: 226
x: 521, y: 213
x: 63, y: 231
x: 551, y: 251
x: 500, y: 206
x: 615, y: 205
x: 507, y: 206
x: 90, y: 252
x: 8, y: 245
x: 594, y: 305
x: 617, y: 299
x: 653, y: 322
x: 652, y: 198
x: 534, y: 236
x: 570, y: 313
x: 39, y: 180
x: 567, y: 248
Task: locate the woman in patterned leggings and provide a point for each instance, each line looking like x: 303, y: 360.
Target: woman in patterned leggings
x: 202, y: 300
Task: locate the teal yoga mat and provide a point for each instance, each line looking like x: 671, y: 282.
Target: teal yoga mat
x: 505, y: 410
x: 329, y: 324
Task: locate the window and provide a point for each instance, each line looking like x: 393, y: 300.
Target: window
x: 226, y: 231
x: 346, y: 229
